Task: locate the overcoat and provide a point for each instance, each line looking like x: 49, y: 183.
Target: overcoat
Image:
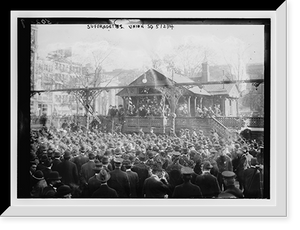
x: 187, y: 190
x: 104, y: 191
x: 120, y: 182
x: 68, y: 171
x: 142, y: 170
x: 87, y: 171
x: 252, y: 185
x: 208, y: 184
x: 155, y: 188
x: 134, y: 182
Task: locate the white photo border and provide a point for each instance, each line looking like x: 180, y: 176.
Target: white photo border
x: 275, y: 206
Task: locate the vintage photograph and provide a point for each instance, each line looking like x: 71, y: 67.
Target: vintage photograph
x: 139, y: 109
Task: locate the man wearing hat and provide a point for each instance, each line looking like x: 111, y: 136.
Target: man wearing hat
x: 104, y: 191
x: 143, y: 173
x: 64, y: 191
x: 155, y: 186
x: 119, y: 180
x: 224, y: 163
x: 174, y: 171
x: 94, y: 182
x: 105, y: 163
x: 39, y: 184
x: 207, y: 182
x: 87, y: 169
x: 53, y: 181
x: 80, y: 159
x: 56, y: 160
x: 187, y: 189
x: 229, y: 179
x: 252, y: 180
x: 68, y: 170
x: 133, y: 178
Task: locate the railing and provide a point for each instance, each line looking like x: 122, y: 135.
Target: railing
x: 133, y: 124
x: 257, y: 122
x: 231, y: 122
x: 220, y: 128
x: 239, y: 122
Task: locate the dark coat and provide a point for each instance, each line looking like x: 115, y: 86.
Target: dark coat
x: 154, y: 189
x: 93, y: 185
x: 134, y: 183
x: 142, y: 170
x: 252, y: 183
x: 234, y: 191
x: 187, y: 190
x: 68, y: 171
x: 87, y: 171
x: 79, y: 161
x: 224, y: 163
x: 175, y: 178
x: 104, y: 191
x: 55, y: 163
x: 208, y: 184
x: 120, y: 182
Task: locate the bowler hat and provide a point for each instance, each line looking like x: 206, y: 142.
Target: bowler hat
x: 38, y: 175
x: 98, y: 165
x: 126, y: 162
x: 105, y: 160
x: 67, y: 154
x: 54, y: 175
x: 56, y: 154
x: 63, y: 190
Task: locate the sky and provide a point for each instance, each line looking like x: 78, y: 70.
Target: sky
x: 134, y: 48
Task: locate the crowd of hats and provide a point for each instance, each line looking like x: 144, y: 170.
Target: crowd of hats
x: 190, y: 147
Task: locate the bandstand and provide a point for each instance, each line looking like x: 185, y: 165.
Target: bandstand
x: 155, y: 100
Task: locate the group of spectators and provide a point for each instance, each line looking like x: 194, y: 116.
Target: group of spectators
x: 148, y: 107
x: 208, y: 112
x: 95, y: 164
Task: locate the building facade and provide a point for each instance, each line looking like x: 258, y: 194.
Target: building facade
x: 51, y: 75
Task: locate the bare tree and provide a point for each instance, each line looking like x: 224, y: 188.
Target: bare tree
x: 90, y: 76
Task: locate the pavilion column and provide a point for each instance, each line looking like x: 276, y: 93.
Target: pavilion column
x: 223, y: 106
x: 195, y: 105
x: 237, y: 106
x: 189, y: 105
x: 125, y: 104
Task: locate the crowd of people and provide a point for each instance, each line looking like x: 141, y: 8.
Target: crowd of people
x: 208, y: 112
x: 94, y: 164
x: 148, y: 107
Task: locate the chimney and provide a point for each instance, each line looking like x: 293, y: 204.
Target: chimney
x: 205, y: 70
